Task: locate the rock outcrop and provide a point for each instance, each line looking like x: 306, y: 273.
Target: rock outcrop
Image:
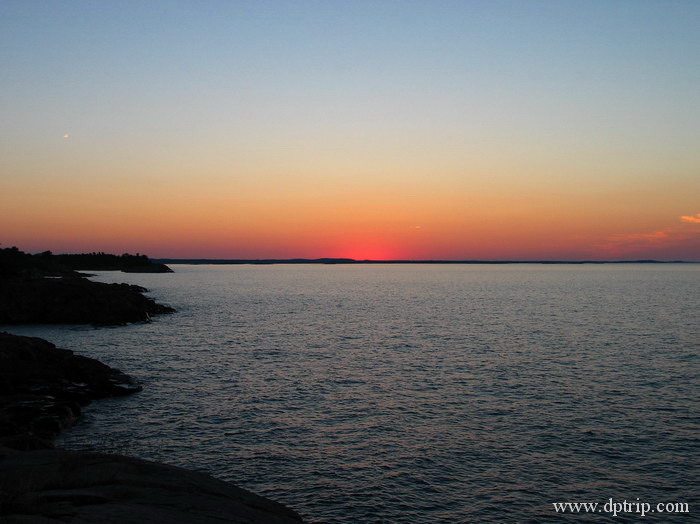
x: 42, y: 389
x: 52, y: 486
x: 73, y: 299
x: 46, y: 289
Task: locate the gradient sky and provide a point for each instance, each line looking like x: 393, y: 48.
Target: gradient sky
x: 383, y: 129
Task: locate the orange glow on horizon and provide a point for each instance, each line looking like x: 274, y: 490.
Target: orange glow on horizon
x: 395, y: 217
x: 368, y: 251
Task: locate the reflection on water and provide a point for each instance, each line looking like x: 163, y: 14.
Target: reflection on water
x: 409, y: 393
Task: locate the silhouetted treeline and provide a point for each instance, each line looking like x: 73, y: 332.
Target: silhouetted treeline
x: 14, y: 262
x: 102, y: 260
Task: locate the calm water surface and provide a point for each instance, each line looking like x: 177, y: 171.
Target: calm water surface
x: 411, y: 393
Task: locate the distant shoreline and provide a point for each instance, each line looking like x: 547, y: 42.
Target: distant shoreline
x: 200, y: 261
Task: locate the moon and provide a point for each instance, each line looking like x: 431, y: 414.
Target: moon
x: 66, y: 135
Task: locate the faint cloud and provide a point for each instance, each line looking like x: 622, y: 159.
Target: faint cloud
x: 658, y: 242
x: 648, y: 237
x: 635, y: 240
x: 693, y: 219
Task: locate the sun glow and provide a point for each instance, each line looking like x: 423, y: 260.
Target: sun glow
x: 369, y: 251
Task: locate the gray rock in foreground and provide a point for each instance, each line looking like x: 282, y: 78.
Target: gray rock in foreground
x: 41, y: 391
x: 55, y: 486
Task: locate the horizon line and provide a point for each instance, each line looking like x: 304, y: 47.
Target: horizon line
x: 325, y: 260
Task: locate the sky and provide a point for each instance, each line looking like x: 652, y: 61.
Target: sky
x: 492, y: 130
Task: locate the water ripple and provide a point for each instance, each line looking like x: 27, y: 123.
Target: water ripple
x: 413, y: 394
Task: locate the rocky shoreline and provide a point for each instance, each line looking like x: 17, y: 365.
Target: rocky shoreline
x: 42, y: 391
x: 47, y: 289
x: 43, y: 388
x: 73, y: 299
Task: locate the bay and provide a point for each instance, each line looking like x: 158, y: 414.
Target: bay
x: 412, y: 393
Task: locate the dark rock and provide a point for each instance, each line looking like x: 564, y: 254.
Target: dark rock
x: 153, y: 267
x: 15, y: 443
x: 42, y: 387
x: 62, y: 486
x: 73, y: 300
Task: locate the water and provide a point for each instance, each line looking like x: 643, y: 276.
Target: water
x: 413, y: 393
